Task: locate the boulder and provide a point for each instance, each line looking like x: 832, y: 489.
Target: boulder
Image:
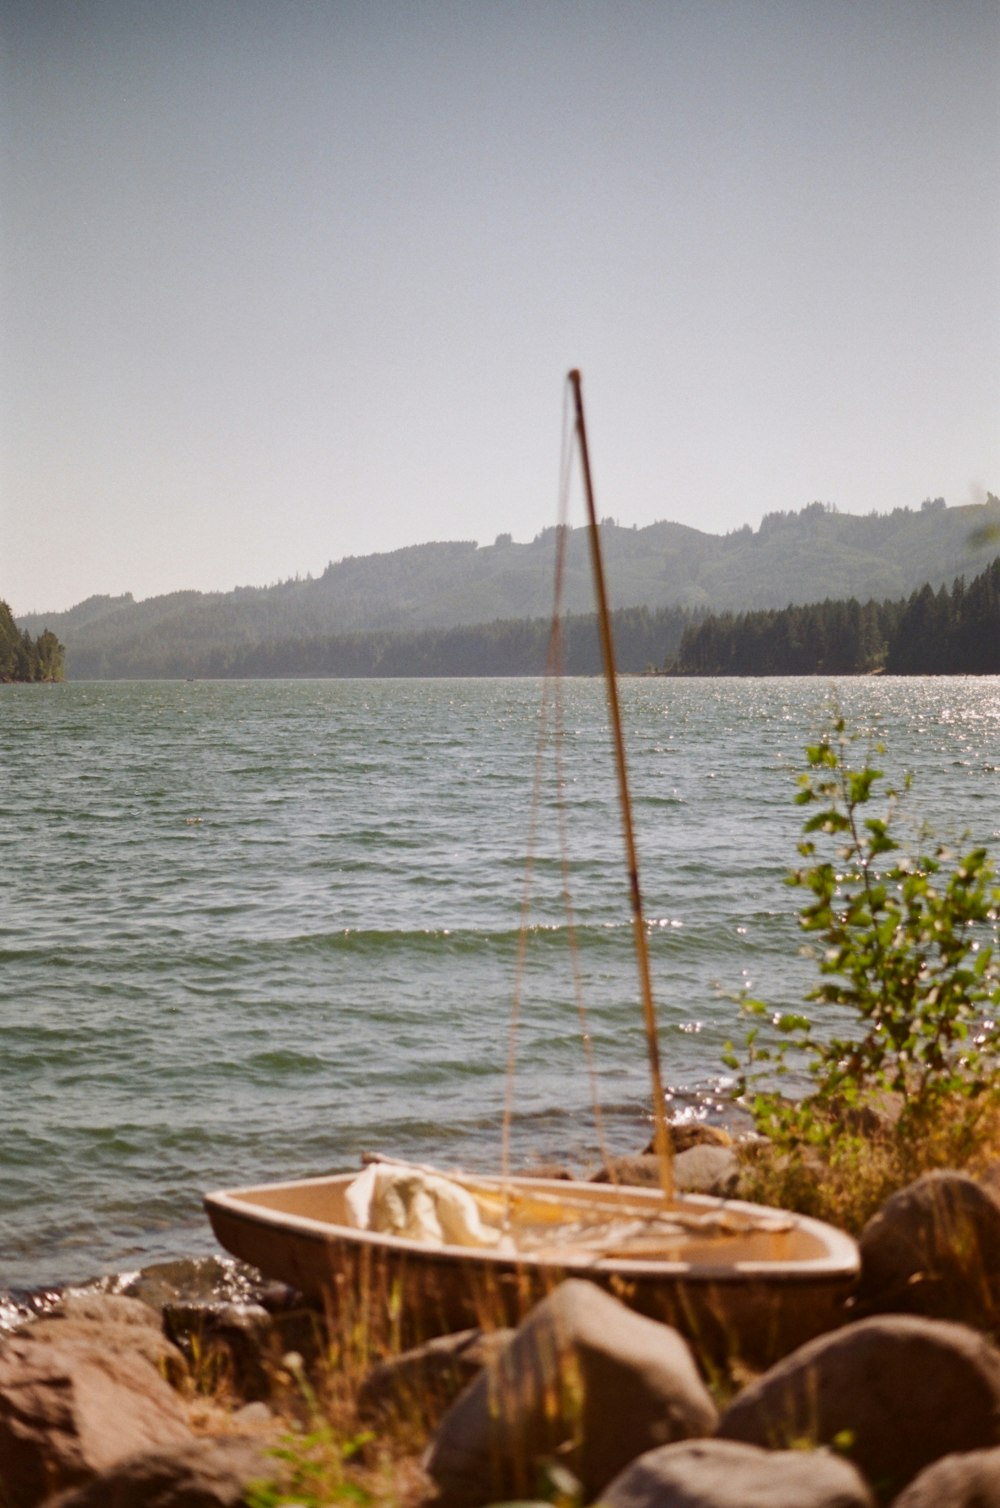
x: 934, y: 1248
x: 233, y: 1347
x: 200, y: 1474
x: 687, y: 1134
x: 707, y: 1170
x: 970, y: 1480
x: 585, y: 1382
x: 425, y: 1381
x: 724, y: 1474
x: 704, y: 1166
x: 116, y: 1325
x: 89, y: 1305
x: 194, y: 1279
x: 70, y: 1408
x: 893, y: 1393
x: 641, y: 1170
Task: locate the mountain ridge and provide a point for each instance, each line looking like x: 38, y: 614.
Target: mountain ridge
x: 795, y: 557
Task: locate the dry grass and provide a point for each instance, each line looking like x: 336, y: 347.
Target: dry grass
x: 849, y: 1173
x: 323, y: 1451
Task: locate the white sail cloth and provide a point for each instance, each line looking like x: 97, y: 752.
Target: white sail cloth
x: 402, y: 1201
x: 579, y: 1222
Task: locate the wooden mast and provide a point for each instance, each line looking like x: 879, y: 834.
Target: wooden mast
x: 661, y: 1132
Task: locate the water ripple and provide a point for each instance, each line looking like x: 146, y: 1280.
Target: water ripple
x: 252, y: 929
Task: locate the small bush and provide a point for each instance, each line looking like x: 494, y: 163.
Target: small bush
x: 907, y: 945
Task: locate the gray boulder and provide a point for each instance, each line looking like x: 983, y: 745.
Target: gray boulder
x: 201, y: 1474
x: 704, y: 1167
x: 971, y: 1480
x: 934, y: 1248
x: 71, y: 1408
x: 724, y: 1474
x: 707, y: 1170
x: 585, y: 1382
x: 894, y: 1393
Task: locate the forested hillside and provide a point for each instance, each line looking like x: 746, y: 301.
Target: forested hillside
x: 943, y: 632
x: 23, y: 658
x: 356, y: 607
x: 514, y: 647
x: 949, y: 633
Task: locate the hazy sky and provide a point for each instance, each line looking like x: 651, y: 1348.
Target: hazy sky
x: 288, y: 280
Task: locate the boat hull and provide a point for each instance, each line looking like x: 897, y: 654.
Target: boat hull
x: 752, y: 1299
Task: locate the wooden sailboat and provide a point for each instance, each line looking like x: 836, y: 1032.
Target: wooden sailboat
x: 738, y: 1279
x: 452, y: 1250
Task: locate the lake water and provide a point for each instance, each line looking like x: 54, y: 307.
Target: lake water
x: 252, y: 929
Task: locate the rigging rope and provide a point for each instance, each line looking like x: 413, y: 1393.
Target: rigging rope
x: 551, y: 711
x: 552, y: 707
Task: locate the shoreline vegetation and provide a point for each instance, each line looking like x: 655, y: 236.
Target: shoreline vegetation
x: 954, y: 632
x: 23, y: 658
x: 903, y: 931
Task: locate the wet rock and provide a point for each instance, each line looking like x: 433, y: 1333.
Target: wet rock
x: 425, y: 1381
x: 195, y: 1279
x: 280, y: 1298
x: 71, y: 1408
x: 201, y: 1474
x: 19, y: 1306
x: 970, y: 1480
x: 232, y: 1347
x: 238, y: 1347
x: 295, y: 1325
x: 725, y: 1474
x: 585, y: 1382
x: 934, y: 1249
x: 893, y: 1393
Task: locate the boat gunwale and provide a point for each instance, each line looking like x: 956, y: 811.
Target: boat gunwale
x: 839, y: 1261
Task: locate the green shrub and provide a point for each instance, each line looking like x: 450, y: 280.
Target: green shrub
x: 907, y: 945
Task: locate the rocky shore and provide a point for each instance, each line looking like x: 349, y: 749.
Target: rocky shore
x: 200, y: 1386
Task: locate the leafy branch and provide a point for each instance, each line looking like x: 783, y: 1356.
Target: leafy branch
x: 906, y: 943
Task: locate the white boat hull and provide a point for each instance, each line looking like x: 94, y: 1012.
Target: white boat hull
x: 755, y: 1295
